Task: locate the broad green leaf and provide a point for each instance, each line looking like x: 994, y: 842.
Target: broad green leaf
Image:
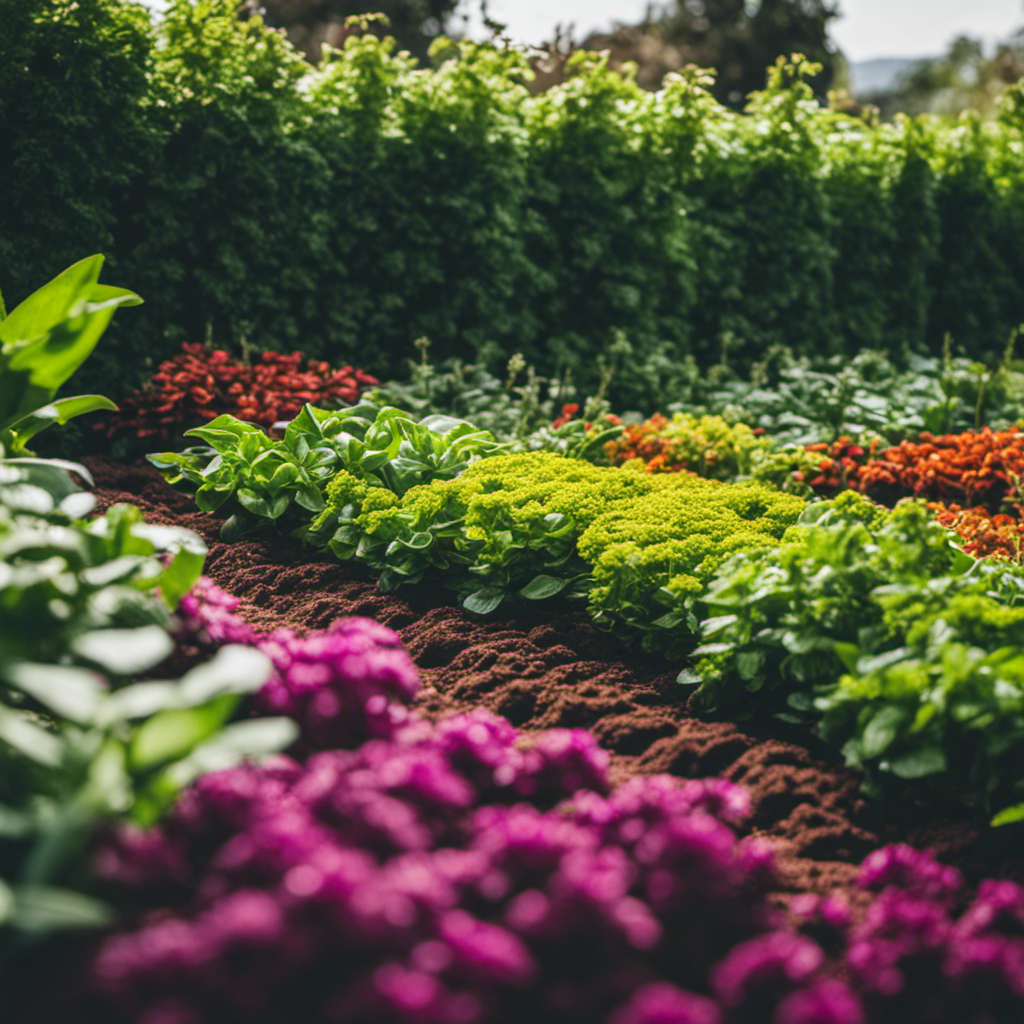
x: 124, y: 652
x: 171, y: 735
x: 918, y: 763
x: 881, y: 730
x: 181, y: 575
x: 484, y: 601
x: 542, y: 586
x: 52, y: 303
x: 73, y: 693
x: 59, y: 411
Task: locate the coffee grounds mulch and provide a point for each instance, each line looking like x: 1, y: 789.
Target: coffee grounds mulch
x: 544, y: 667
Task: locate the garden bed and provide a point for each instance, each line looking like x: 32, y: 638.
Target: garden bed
x: 544, y: 670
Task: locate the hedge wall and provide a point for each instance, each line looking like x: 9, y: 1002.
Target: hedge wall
x: 352, y: 209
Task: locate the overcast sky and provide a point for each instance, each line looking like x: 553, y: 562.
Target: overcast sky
x: 867, y: 28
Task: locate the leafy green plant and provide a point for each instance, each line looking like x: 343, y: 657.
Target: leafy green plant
x: 879, y: 630
x: 86, y: 610
x: 43, y: 341
x: 262, y: 480
x: 536, y: 525
x: 800, y: 400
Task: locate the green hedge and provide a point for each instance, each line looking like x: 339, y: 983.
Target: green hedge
x: 349, y: 210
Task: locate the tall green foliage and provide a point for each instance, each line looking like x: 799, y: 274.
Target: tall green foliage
x: 353, y: 208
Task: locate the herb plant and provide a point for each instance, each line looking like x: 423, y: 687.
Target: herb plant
x: 262, y: 480
x: 896, y: 644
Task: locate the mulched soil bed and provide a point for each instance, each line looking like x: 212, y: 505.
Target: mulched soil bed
x: 548, y: 667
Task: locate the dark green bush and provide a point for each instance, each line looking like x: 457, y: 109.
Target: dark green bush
x: 350, y: 209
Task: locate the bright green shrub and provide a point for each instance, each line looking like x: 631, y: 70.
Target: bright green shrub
x: 641, y: 546
x: 878, y: 629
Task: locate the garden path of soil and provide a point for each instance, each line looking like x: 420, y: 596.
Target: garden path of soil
x: 549, y: 668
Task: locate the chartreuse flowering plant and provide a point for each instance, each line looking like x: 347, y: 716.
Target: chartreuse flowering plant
x: 640, y: 546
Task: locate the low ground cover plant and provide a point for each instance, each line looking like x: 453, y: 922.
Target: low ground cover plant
x: 640, y: 547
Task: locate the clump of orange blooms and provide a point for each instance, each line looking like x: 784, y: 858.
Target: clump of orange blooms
x: 199, y: 384
x: 975, y: 468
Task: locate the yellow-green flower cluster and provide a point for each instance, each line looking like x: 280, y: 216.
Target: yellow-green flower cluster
x: 641, y: 546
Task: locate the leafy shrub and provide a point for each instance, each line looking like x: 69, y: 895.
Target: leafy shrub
x: 396, y: 202
x: 536, y: 525
x: 263, y: 481
x: 201, y: 384
x: 87, y: 611
x: 878, y: 627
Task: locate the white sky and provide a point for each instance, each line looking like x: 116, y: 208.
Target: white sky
x: 867, y: 28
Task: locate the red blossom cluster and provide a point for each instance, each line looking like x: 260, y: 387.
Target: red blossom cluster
x: 983, y: 533
x: 200, y: 384
x: 842, y: 463
x: 975, y: 468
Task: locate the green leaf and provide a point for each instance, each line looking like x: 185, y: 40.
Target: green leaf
x: 39, y: 908
x: 19, y: 731
x: 52, y: 303
x: 919, y: 763
x: 881, y: 730
x: 542, y: 586
x: 60, y: 411
x: 124, y: 652
x: 73, y: 693
x: 234, y: 669
x: 181, y: 575
x: 484, y: 601
x: 1009, y: 815
x: 171, y: 735
x: 688, y: 677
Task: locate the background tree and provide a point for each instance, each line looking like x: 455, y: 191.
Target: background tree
x: 966, y: 77
x: 740, y: 39
x: 310, y: 23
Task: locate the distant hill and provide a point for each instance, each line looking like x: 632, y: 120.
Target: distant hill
x: 869, y: 76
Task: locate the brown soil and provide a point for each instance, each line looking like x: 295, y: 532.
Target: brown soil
x: 549, y: 667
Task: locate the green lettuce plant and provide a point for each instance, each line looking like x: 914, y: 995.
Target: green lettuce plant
x: 262, y: 480
x: 878, y: 630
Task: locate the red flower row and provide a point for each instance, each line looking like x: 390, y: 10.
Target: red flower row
x: 200, y: 384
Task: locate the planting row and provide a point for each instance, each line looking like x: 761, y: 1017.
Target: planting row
x: 858, y: 636
x: 388, y: 867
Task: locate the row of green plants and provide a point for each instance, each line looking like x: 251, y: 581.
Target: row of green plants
x: 870, y: 625
x: 396, y: 202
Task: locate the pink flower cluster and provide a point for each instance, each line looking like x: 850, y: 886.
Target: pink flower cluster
x: 464, y: 873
